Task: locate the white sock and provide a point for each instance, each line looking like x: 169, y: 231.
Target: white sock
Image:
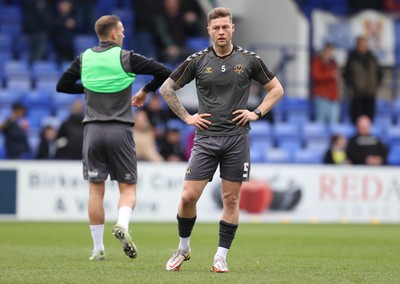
x: 97, y: 232
x: 124, y: 216
x: 184, y: 244
x: 221, y: 252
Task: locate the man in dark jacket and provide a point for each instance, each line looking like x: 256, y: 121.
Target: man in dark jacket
x: 363, y: 76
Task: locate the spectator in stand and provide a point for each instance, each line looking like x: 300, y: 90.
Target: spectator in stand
x: 146, y: 147
x: 70, y: 134
x: 171, y: 148
x: 48, y: 144
x: 365, y: 148
x: 194, y: 18
x: 325, y: 90
x: 158, y: 115
x: 144, y: 27
x: 15, y: 130
x: 86, y: 15
x: 363, y: 76
x: 336, y: 154
x: 38, y: 16
x: 65, y: 27
x: 171, y: 33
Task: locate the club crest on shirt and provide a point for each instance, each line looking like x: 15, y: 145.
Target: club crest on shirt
x: 188, y: 171
x: 208, y: 70
x: 239, y: 69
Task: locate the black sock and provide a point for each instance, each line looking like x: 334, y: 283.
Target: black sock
x: 226, y: 234
x: 185, y: 226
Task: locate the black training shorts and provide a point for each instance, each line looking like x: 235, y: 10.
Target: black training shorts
x: 231, y: 153
x: 109, y: 149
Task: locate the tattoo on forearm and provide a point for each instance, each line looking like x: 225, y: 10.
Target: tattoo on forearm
x: 168, y: 92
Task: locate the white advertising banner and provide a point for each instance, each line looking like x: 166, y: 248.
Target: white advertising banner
x: 276, y: 193
x: 342, y: 32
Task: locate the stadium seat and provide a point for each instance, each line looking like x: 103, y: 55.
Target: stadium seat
x: 35, y: 116
x: 18, y: 87
x: 6, y: 43
x: 394, y: 155
x: 299, y: 118
x: 84, y: 41
x: 16, y: 69
x: 197, y: 43
x: 2, y: 147
x: 260, y: 130
x: 290, y: 145
x: 276, y: 155
x: 307, y: 156
x: 393, y: 135
x: 258, y: 148
x: 315, y: 131
x: 317, y: 146
x: 285, y: 130
x: 39, y: 98
x: 345, y: 129
x: 45, y: 70
x: 46, y: 86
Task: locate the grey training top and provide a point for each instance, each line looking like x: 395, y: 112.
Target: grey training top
x: 223, y: 85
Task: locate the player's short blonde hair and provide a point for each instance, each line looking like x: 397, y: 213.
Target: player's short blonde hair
x: 105, y: 24
x: 219, y: 12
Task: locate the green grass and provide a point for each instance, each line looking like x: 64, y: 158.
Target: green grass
x: 262, y: 253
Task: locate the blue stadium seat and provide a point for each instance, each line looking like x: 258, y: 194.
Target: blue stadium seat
x: 289, y: 145
x: 197, y: 43
x: 298, y: 118
x: 260, y: 130
x: 2, y: 146
x: 14, y: 30
x: 276, y: 155
x: 35, y: 116
x: 47, y: 87
x: 6, y: 43
x: 19, y: 87
x: 38, y: 98
x: 11, y: 14
x: 394, y: 155
x: 258, y: 148
x: 84, y: 41
x: 285, y: 130
x: 393, y: 135
x: 45, y: 70
x: 345, y: 129
x: 317, y: 146
x: 16, y: 69
x: 307, y: 156
x: 8, y: 97
x: 315, y: 131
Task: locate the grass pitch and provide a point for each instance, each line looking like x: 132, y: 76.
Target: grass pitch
x: 261, y: 253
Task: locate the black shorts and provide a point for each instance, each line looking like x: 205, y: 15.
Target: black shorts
x: 231, y: 153
x: 109, y: 149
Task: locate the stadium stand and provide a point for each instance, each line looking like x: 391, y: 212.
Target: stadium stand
x: 290, y: 137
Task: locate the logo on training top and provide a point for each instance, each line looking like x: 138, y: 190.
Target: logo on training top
x: 239, y: 69
x: 208, y: 70
x: 93, y: 173
x: 188, y: 171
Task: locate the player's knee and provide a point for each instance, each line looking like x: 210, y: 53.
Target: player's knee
x: 188, y: 199
x: 231, y: 201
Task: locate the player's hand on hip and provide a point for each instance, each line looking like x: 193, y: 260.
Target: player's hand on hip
x: 139, y: 98
x: 199, y: 120
x: 243, y: 116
